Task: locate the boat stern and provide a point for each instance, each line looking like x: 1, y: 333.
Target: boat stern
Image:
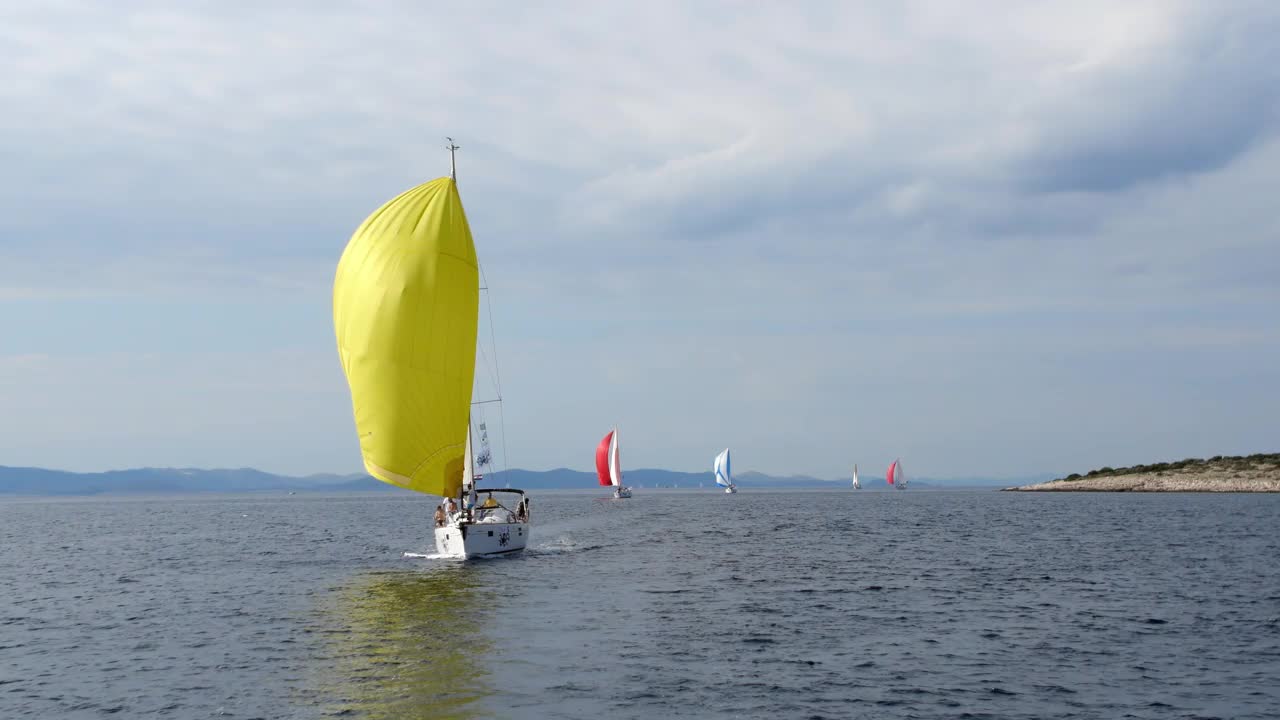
x: 469, y: 540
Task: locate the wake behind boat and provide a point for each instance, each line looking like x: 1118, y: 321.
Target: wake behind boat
x: 608, y: 469
x: 723, y: 477
x: 406, y: 301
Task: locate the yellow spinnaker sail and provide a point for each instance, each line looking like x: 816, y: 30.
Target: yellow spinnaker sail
x: 405, y: 306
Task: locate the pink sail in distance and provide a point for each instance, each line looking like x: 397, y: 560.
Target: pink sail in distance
x: 602, y: 459
x: 894, y: 472
x: 607, y: 459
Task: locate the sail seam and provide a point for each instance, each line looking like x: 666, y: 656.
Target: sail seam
x: 376, y: 468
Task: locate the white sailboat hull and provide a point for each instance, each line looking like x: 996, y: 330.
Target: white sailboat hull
x: 731, y: 489
x: 620, y: 492
x: 482, y: 539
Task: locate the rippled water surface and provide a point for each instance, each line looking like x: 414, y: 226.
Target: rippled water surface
x: 672, y: 604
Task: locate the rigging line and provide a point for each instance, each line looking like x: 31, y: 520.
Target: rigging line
x: 502, y: 427
x: 478, y: 443
x: 502, y: 415
x: 484, y: 360
x: 484, y: 356
x: 489, y: 308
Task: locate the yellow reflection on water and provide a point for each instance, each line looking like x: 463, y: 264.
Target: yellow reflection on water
x: 409, y: 645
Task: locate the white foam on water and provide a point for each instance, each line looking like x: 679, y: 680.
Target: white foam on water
x: 431, y: 556
x: 561, y: 544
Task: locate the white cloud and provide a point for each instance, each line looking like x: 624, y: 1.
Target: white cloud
x: 807, y: 230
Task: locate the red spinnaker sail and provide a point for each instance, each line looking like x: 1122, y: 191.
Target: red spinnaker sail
x: 602, y: 459
x: 889, y: 477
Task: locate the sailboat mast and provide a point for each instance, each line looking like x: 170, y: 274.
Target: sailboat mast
x: 453, y: 165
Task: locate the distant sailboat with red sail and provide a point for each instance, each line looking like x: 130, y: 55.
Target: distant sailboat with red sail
x: 607, y: 467
x: 895, y: 475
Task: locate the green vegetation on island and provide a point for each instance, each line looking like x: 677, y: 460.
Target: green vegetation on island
x: 1259, y: 472
x: 1237, y: 464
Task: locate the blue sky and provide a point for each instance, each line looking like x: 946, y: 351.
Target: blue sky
x: 990, y: 238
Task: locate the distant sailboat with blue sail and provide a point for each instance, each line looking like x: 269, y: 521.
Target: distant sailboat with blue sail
x: 723, y: 477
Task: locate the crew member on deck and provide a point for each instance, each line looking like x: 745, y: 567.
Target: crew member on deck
x: 487, y: 507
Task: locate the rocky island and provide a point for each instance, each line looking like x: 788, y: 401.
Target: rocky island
x: 1252, y: 473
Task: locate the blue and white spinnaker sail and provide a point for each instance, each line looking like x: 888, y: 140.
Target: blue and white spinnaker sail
x: 721, y: 467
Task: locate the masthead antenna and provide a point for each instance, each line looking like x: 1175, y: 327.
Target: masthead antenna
x: 453, y: 165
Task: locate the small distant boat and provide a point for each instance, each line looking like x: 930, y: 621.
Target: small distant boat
x: 723, y: 477
x: 895, y: 476
x: 607, y: 467
x: 856, y: 484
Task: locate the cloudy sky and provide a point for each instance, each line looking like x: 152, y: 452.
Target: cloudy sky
x: 990, y: 238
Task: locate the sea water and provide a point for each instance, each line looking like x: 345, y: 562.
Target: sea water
x: 698, y: 604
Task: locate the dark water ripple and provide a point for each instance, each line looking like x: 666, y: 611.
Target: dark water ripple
x: 759, y: 605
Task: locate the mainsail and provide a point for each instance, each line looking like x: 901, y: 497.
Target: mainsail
x: 607, y: 468
x: 468, y: 464
x: 615, y: 467
x: 721, y: 467
x: 856, y: 485
x: 406, y: 301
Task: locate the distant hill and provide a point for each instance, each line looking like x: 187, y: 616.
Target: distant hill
x: 1217, y: 463
x: 40, y: 481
